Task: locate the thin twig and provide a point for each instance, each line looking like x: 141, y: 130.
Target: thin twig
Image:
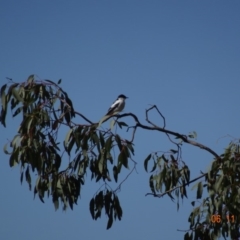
x: 172, y: 189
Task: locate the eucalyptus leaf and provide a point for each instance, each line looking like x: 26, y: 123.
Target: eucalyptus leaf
x: 30, y: 78
x: 115, y: 173
x: 199, y: 190
x: 146, y: 162
x: 5, y: 149
x: 16, y: 95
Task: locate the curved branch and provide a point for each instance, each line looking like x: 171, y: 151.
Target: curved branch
x: 183, y: 137
x: 152, y: 107
x: 164, y: 125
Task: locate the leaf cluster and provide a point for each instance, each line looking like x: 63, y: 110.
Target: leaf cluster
x: 218, y: 214
x: 45, y: 107
x: 170, y: 175
x: 108, y: 200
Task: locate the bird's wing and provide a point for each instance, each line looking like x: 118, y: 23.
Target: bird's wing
x: 113, y: 107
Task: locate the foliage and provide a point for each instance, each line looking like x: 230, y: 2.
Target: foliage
x: 219, y: 213
x: 46, y: 108
x: 216, y: 215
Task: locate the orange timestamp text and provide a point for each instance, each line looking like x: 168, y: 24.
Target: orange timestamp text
x: 218, y: 219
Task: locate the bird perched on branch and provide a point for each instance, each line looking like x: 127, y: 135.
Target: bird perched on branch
x: 117, y: 106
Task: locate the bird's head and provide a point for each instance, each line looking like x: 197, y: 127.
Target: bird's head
x: 122, y: 96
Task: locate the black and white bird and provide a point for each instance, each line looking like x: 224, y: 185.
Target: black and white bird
x: 117, y: 106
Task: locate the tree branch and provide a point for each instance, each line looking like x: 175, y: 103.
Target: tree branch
x: 183, y: 137
x: 172, y: 189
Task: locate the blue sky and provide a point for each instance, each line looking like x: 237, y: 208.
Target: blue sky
x: 183, y: 56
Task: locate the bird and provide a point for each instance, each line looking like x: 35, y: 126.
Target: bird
x: 117, y: 106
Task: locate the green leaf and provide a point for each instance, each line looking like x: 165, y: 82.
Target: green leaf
x: 122, y: 124
x: 108, y: 144
x: 70, y: 201
x: 186, y: 172
x: 218, y: 182
x: 173, y: 151
x: 194, y: 186
x: 118, y: 140
x: 99, y: 204
x: 16, y: 95
x: 164, y: 159
x: 69, y: 102
x: 12, y: 161
x: 17, y: 111
x: 154, y: 167
x: 3, y: 97
x: 5, y: 149
x: 14, y: 142
x: 10, y: 89
x: 183, y: 192
x: 28, y: 178
x: 158, y: 179
x: 194, y: 134
x: 130, y: 147
x: 100, y: 164
x: 94, y: 138
x: 170, y: 195
x: 98, y: 177
x: 82, y: 166
x: 118, y: 125
x: 40, y: 196
x: 91, y: 208
x: 122, y: 158
x: 37, y: 182
x: 199, y: 190
x: 53, y: 142
x: 21, y: 178
x: 188, y: 236
x: 55, y: 201
x: 101, y: 140
x: 151, y: 184
x: 107, y: 201
x: 110, y: 219
x: 2, y: 117
x: 21, y: 92
x: 58, y: 161
x: 3, y: 89
x: 65, y: 143
x: 14, y: 103
x: 119, y: 166
x: 115, y: 173
x: 118, y: 208
x: 30, y: 78
x: 29, y: 123
x: 59, y: 189
x: 146, y: 162
x: 67, y: 117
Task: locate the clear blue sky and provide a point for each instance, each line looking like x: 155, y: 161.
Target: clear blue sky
x: 183, y: 56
